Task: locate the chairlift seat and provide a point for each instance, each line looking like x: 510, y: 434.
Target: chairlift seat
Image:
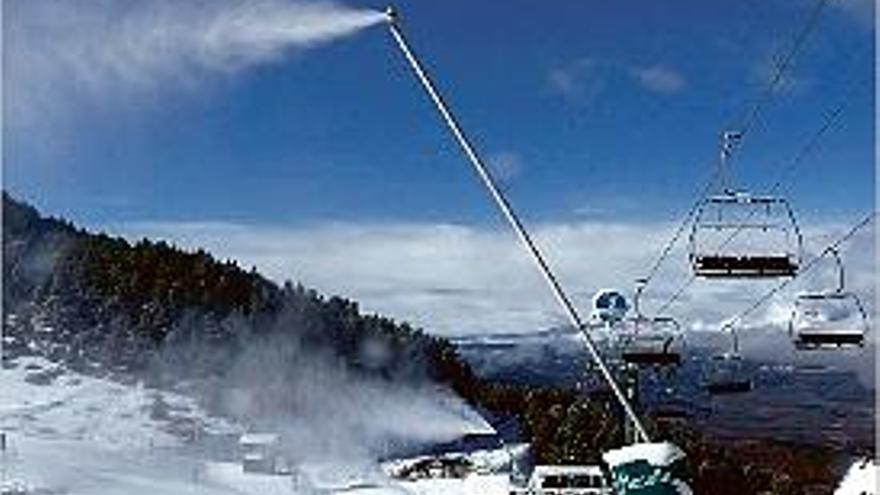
x: 729, y: 387
x: 744, y: 266
x: 652, y: 358
x: 828, y: 320
x: 652, y: 342
x: 671, y: 414
x: 672, y: 409
x: 727, y: 375
x: 737, y: 235
x: 807, y: 340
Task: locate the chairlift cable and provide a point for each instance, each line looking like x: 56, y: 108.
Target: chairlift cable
x: 747, y: 122
x: 832, y: 248
x: 677, y: 294
x: 782, y: 67
x: 681, y: 229
x: 811, y: 144
x: 831, y: 119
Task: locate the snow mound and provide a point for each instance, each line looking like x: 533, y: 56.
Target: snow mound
x: 41, y: 399
x: 860, y: 479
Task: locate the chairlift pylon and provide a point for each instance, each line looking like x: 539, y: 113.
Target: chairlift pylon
x: 726, y: 374
x: 830, y: 319
x: 736, y: 234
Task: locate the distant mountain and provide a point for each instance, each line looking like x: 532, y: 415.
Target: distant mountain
x: 804, y: 402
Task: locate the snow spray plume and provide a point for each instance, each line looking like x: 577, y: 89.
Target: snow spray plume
x: 326, y: 411
x: 323, y: 408
x: 113, y: 46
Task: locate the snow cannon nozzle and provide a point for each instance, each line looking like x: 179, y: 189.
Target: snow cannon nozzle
x: 391, y: 14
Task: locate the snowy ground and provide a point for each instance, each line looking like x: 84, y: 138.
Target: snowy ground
x: 73, y: 434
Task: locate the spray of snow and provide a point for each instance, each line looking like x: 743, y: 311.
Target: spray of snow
x: 322, y: 407
x: 326, y: 412
x: 57, y: 49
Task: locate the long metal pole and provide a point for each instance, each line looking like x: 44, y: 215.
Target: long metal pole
x: 514, y: 221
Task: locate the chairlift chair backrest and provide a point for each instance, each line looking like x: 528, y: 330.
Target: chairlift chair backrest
x: 738, y: 235
x: 726, y: 373
x: 649, y: 341
x: 656, y: 341
x: 830, y: 319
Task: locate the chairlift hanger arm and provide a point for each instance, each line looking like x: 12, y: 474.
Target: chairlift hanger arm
x: 806, y: 268
x: 744, y: 126
x: 840, y: 270
x: 509, y: 214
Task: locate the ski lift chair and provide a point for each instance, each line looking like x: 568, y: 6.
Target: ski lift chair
x: 737, y: 235
x: 726, y: 374
x: 650, y: 341
x: 829, y: 319
x: 665, y: 399
x: 672, y: 409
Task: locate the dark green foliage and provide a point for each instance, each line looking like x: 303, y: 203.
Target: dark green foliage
x: 116, y: 304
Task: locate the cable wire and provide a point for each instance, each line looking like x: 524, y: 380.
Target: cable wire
x: 749, y: 119
x: 750, y: 116
x: 832, y: 248
x: 831, y: 119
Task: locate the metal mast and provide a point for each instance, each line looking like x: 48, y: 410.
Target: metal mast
x: 512, y: 219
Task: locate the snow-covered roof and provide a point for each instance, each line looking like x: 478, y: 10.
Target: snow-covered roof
x: 860, y: 479
x: 476, y: 424
x: 558, y: 470
x: 258, y: 439
x: 656, y: 454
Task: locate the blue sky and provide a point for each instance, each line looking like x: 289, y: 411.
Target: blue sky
x: 325, y: 163
x: 593, y: 110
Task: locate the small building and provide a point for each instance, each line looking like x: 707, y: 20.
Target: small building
x: 566, y: 480
x: 260, y: 453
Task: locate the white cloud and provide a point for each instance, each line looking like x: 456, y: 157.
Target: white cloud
x: 584, y: 79
x: 765, y: 69
x: 453, y: 279
x: 580, y: 79
x: 506, y: 165
x: 101, y: 50
x: 659, y: 79
x: 863, y: 12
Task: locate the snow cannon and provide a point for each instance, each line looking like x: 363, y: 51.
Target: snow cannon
x: 391, y: 14
x: 648, y: 469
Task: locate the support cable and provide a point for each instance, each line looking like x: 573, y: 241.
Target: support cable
x: 833, y: 248
x: 745, y: 125
x: 811, y: 145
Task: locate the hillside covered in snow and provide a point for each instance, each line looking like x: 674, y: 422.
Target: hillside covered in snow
x: 149, y: 361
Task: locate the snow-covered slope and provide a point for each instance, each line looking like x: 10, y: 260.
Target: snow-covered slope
x: 70, y: 433
x: 42, y: 399
x: 73, y: 434
x: 860, y: 479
